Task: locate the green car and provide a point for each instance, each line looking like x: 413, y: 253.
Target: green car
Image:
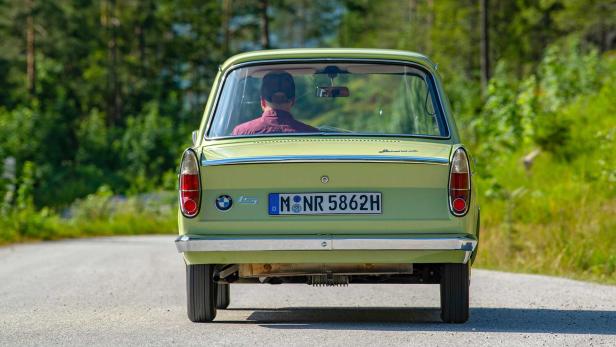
x: 327, y: 167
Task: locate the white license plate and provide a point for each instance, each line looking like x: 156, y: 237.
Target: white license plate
x: 324, y: 203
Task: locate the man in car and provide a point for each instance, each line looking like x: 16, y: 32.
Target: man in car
x: 277, y: 99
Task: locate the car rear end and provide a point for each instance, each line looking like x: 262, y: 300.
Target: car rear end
x: 335, y: 203
x: 328, y: 210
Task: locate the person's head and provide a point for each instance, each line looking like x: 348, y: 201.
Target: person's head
x: 277, y: 91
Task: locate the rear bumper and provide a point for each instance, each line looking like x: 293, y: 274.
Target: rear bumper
x: 325, y: 243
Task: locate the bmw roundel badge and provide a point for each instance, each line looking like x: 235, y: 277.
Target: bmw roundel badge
x: 224, y: 202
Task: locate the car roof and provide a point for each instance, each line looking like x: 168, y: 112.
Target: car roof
x: 329, y: 53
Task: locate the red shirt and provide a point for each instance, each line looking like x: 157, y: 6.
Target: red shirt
x: 272, y: 122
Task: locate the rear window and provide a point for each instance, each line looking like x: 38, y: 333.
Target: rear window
x: 327, y: 98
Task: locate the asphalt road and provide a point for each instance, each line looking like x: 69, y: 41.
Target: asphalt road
x: 130, y: 291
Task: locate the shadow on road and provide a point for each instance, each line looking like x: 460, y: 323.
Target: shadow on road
x: 428, y: 319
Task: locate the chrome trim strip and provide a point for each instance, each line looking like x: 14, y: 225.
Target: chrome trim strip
x: 321, y: 134
x: 467, y: 257
x: 323, y: 158
x: 203, y: 244
x: 452, y: 243
x: 324, y: 243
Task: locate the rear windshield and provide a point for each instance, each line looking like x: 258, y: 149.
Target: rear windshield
x: 327, y: 98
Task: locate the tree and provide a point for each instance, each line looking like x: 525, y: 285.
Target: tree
x: 30, y: 55
x: 264, y: 19
x: 485, y: 44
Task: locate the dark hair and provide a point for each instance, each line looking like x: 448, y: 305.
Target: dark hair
x: 278, y: 87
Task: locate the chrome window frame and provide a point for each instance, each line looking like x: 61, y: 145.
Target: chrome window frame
x: 436, y: 96
x: 323, y: 159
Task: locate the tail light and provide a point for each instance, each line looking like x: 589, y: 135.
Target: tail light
x: 190, y: 184
x: 459, y: 183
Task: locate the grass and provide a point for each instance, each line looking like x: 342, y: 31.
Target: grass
x: 98, y: 215
x: 559, y: 216
x: 556, y: 219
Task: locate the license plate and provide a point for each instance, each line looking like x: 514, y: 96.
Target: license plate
x: 324, y: 203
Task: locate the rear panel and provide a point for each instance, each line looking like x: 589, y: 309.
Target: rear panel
x: 414, y: 198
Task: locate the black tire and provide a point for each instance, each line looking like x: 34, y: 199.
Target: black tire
x: 455, y: 293
x: 224, y: 296
x: 200, y: 293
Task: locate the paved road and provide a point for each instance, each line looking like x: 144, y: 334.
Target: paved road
x: 130, y: 291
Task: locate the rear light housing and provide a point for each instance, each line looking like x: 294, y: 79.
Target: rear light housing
x: 190, y: 184
x: 459, y: 183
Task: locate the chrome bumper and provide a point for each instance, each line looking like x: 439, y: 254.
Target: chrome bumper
x: 186, y: 243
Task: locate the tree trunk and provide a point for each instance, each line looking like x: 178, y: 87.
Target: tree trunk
x: 603, y: 28
x: 30, y: 50
x: 485, y: 45
x: 226, y: 22
x: 429, y: 23
x: 265, y: 39
x: 141, y: 25
x: 113, y: 85
x: 473, y: 20
x: 411, y: 25
x: 303, y: 9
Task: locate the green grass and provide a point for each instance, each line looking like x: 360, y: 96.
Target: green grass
x: 555, y: 219
x: 558, y: 217
x: 97, y: 215
x: 13, y: 230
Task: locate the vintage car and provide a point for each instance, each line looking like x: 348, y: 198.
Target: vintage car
x: 327, y: 167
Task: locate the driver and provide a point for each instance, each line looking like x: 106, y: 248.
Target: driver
x: 277, y: 98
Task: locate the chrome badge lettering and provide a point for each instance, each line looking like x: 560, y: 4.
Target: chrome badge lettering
x: 397, y: 150
x: 248, y: 200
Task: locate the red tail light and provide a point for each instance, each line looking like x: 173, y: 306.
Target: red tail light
x: 190, y: 184
x: 459, y: 183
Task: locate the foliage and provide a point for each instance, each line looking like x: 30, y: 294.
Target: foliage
x: 147, y: 146
x: 554, y: 214
x: 97, y: 214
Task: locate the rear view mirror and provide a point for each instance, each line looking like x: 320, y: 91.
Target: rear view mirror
x: 332, y: 92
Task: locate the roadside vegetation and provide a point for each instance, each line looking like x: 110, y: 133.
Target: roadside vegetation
x: 98, y: 214
x: 546, y: 169
x: 98, y: 99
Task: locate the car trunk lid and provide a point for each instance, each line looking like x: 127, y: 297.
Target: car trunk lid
x: 319, y: 149
x: 411, y: 175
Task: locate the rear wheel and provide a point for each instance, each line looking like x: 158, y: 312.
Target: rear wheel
x: 455, y: 293
x: 224, y: 296
x: 201, y: 293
